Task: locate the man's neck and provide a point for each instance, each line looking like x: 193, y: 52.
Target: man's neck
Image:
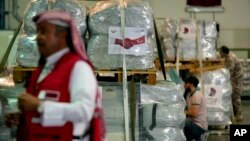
x: 192, y: 90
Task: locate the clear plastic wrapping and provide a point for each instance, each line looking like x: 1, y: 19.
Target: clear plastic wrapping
x: 188, y: 49
x: 246, y: 79
x: 105, y: 15
x: 73, y: 7
x: 98, y: 53
x: 170, y: 116
x: 8, y: 101
x: 187, y: 46
x: 170, y: 101
x: 159, y: 111
x: 218, y: 91
x: 208, y: 48
x: 76, y: 10
x: 168, y: 134
x: 27, y: 51
x: 35, y: 7
x: 208, y: 29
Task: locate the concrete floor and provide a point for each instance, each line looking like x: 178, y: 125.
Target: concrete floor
x: 223, y: 134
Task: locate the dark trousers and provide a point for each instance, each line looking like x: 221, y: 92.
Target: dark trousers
x: 193, y: 131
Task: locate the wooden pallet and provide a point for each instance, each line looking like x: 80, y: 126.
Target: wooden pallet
x: 145, y: 76
x: 20, y: 73
x: 192, y: 65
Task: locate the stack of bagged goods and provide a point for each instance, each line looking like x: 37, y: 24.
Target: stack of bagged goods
x: 8, y: 104
x: 168, y: 33
x: 158, y: 110
x: 208, y: 39
x: 27, y: 51
x: 218, y: 91
x: 76, y: 10
x: 187, y: 40
x: 163, y: 112
x: 246, y: 67
x: 113, y: 103
x: 183, y: 34
x: 105, y: 46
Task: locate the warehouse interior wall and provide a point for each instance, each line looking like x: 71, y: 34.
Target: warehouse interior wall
x: 234, y: 21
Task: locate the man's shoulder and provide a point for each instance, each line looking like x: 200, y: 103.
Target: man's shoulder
x: 198, y: 94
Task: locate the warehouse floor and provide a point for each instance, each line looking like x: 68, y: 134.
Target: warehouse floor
x: 223, y: 134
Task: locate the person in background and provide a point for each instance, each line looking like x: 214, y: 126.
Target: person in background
x: 196, y: 110
x: 62, y: 95
x: 235, y: 68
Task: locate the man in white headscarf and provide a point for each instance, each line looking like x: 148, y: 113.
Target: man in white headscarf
x: 62, y: 95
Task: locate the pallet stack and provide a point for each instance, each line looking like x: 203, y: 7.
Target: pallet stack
x: 192, y: 66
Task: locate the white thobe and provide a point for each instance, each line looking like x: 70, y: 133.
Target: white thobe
x: 79, y: 111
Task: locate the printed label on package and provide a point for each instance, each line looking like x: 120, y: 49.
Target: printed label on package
x: 213, y: 95
x: 187, y: 31
x: 135, y: 41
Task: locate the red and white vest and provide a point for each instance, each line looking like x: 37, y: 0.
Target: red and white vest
x: 57, y: 80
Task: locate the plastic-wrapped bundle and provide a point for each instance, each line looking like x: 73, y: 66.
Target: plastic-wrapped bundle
x: 98, y: 53
x: 246, y: 66
x: 208, y: 39
x: 168, y: 134
x: 75, y: 9
x: 208, y: 48
x: 162, y: 92
x: 113, y: 107
x: 112, y: 95
x: 27, y: 54
x: 170, y: 117
x: 168, y: 34
x: 187, y: 49
x: 208, y: 29
x: 218, y: 91
x: 27, y: 51
x: 105, y: 15
x: 4, y: 131
x: 35, y: 7
x: 187, y: 45
x: 169, y: 48
x: 169, y: 102
x: 8, y: 101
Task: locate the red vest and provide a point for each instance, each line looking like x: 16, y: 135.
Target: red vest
x: 57, y: 80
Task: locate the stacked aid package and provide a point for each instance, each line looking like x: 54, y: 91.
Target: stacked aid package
x: 218, y: 91
x: 105, y: 46
x: 8, y: 104
x: 183, y: 34
x: 159, y: 111
x: 168, y: 117
x: 246, y: 78
x: 27, y: 51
